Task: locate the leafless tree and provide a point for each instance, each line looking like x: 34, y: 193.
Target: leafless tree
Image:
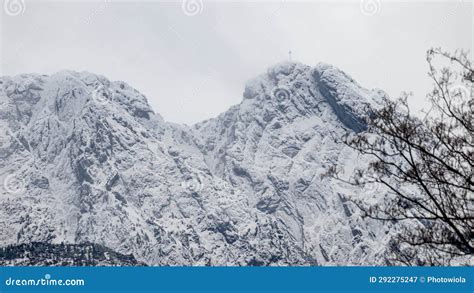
x: 426, y: 166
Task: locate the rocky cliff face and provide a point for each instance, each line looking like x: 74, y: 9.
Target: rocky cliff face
x: 86, y: 160
x: 277, y: 145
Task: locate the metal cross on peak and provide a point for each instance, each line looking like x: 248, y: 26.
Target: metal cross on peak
x: 289, y: 55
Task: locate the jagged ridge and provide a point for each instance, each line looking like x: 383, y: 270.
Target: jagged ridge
x: 91, y: 162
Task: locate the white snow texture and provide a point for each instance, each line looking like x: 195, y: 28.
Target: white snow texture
x: 85, y: 159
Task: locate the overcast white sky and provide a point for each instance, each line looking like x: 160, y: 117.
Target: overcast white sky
x: 194, y: 67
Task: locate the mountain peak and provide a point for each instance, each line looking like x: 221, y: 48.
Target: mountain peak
x: 85, y: 160
x: 279, y: 75
x: 67, y: 94
x: 286, y: 67
x: 295, y: 89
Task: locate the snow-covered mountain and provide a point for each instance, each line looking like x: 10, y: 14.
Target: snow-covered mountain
x: 86, y: 160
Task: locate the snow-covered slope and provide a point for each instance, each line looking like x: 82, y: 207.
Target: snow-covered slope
x: 278, y: 144
x: 86, y: 160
